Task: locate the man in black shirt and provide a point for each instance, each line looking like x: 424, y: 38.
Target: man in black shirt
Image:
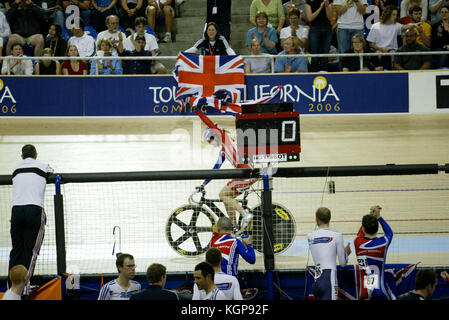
x: 135, y: 66
x: 157, y: 277
x: 425, y: 284
x: 412, y: 62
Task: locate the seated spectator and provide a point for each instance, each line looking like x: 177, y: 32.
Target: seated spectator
x: 296, y: 4
x: 418, y: 62
x: 100, y: 11
x: 424, y: 30
x: 406, y: 5
x: 16, y: 67
x: 104, y: 49
x: 291, y: 46
x: 135, y: 66
x: 84, y: 11
x: 83, y: 42
x: 151, y: 44
x: 55, y: 41
x: 111, y: 33
x: 53, y: 11
x: 383, y: 34
x: 47, y: 67
x: 382, y: 4
x: 212, y: 43
x: 161, y: 9
x: 25, y: 20
x: 73, y: 67
x: 370, y: 63
x: 129, y: 11
x: 266, y: 34
x: 274, y: 11
x: 257, y: 65
x: 435, y: 7
x: 5, y: 31
x: 440, y: 38
x: 295, y: 29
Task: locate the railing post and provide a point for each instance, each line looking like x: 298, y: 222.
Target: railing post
x: 59, y: 227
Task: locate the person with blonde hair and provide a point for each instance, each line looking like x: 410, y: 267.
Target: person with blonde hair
x: 47, y: 67
x: 294, y: 64
x: 105, y: 67
x: 19, y: 279
x: 370, y: 63
x: 257, y: 65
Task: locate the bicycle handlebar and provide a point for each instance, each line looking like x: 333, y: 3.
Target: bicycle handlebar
x: 191, y: 201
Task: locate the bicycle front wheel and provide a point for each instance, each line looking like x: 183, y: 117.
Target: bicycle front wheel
x: 189, y: 230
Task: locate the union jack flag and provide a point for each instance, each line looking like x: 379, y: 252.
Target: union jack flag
x: 218, y: 77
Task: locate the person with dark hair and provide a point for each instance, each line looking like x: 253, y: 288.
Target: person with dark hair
x: 412, y: 62
x: 56, y: 42
x: 266, y: 34
x: 123, y: 287
x: 212, y: 43
x: 425, y: 284
x: 325, y: 246
x: 228, y: 284
x: 423, y: 29
x: 371, y: 254
x: 204, y: 276
x: 16, y: 67
x: 156, y: 277
x: 135, y: 66
x: 82, y: 40
x: 29, y: 181
x: 47, y: 67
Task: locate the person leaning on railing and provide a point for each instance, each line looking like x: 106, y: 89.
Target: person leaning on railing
x: 285, y: 64
x: 370, y: 63
x: 135, y: 66
x: 257, y: 65
x: 15, y: 67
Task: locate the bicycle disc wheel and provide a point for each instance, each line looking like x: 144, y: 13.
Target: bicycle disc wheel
x: 284, y: 228
x: 189, y: 230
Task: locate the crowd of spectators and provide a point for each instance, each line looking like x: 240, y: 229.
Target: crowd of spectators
x: 280, y: 26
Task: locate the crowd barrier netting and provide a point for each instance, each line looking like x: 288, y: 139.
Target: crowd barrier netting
x: 108, y: 213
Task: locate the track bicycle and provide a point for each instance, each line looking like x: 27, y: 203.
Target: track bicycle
x: 190, y: 227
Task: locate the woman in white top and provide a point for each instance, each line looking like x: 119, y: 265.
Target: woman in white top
x: 383, y: 35
x: 16, y: 67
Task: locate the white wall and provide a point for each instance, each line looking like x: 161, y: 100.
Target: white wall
x: 422, y: 91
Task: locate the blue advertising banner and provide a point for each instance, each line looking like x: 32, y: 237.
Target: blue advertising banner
x: 325, y: 93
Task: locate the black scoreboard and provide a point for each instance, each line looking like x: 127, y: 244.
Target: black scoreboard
x: 268, y: 133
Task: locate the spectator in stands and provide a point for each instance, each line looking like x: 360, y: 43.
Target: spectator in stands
x: 100, y: 11
x: 226, y: 283
x: 129, y: 11
x: 296, y: 4
x: 111, y: 33
x: 84, y: 12
x: 25, y: 20
x: 257, y: 65
x: 383, y: 34
x: 161, y: 9
x: 47, y: 67
x: 350, y: 21
x: 156, y: 277
x: 435, y: 7
x: 105, y: 67
x: 5, y: 31
x: 204, y: 276
x: 273, y: 9
x: 53, y: 11
x: 424, y: 30
x: 74, y: 67
x: 266, y: 34
x: 55, y: 41
x: 445, y: 275
x: 425, y: 285
x: 406, y: 5
x: 16, y: 67
x: 124, y: 286
x: 370, y: 63
x: 220, y: 13
x: 212, y: 43
x: 231, y: 247
x: 151, y: 44
x: 440, y: 38
x: 291, y: 46
x: 295, y: 29
x: 83, y: 42
x: 135, y: 66
x: 319, y: 14
x: 382, y: 4
x: 412, y: 62
x: 19, y: 278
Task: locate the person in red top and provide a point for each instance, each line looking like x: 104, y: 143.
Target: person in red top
x: 228, y: 150
x: 74, y: 67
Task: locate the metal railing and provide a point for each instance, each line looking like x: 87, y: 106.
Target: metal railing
x: 271, y: 57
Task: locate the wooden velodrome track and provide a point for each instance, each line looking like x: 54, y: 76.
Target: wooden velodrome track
x: 149, y: 143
